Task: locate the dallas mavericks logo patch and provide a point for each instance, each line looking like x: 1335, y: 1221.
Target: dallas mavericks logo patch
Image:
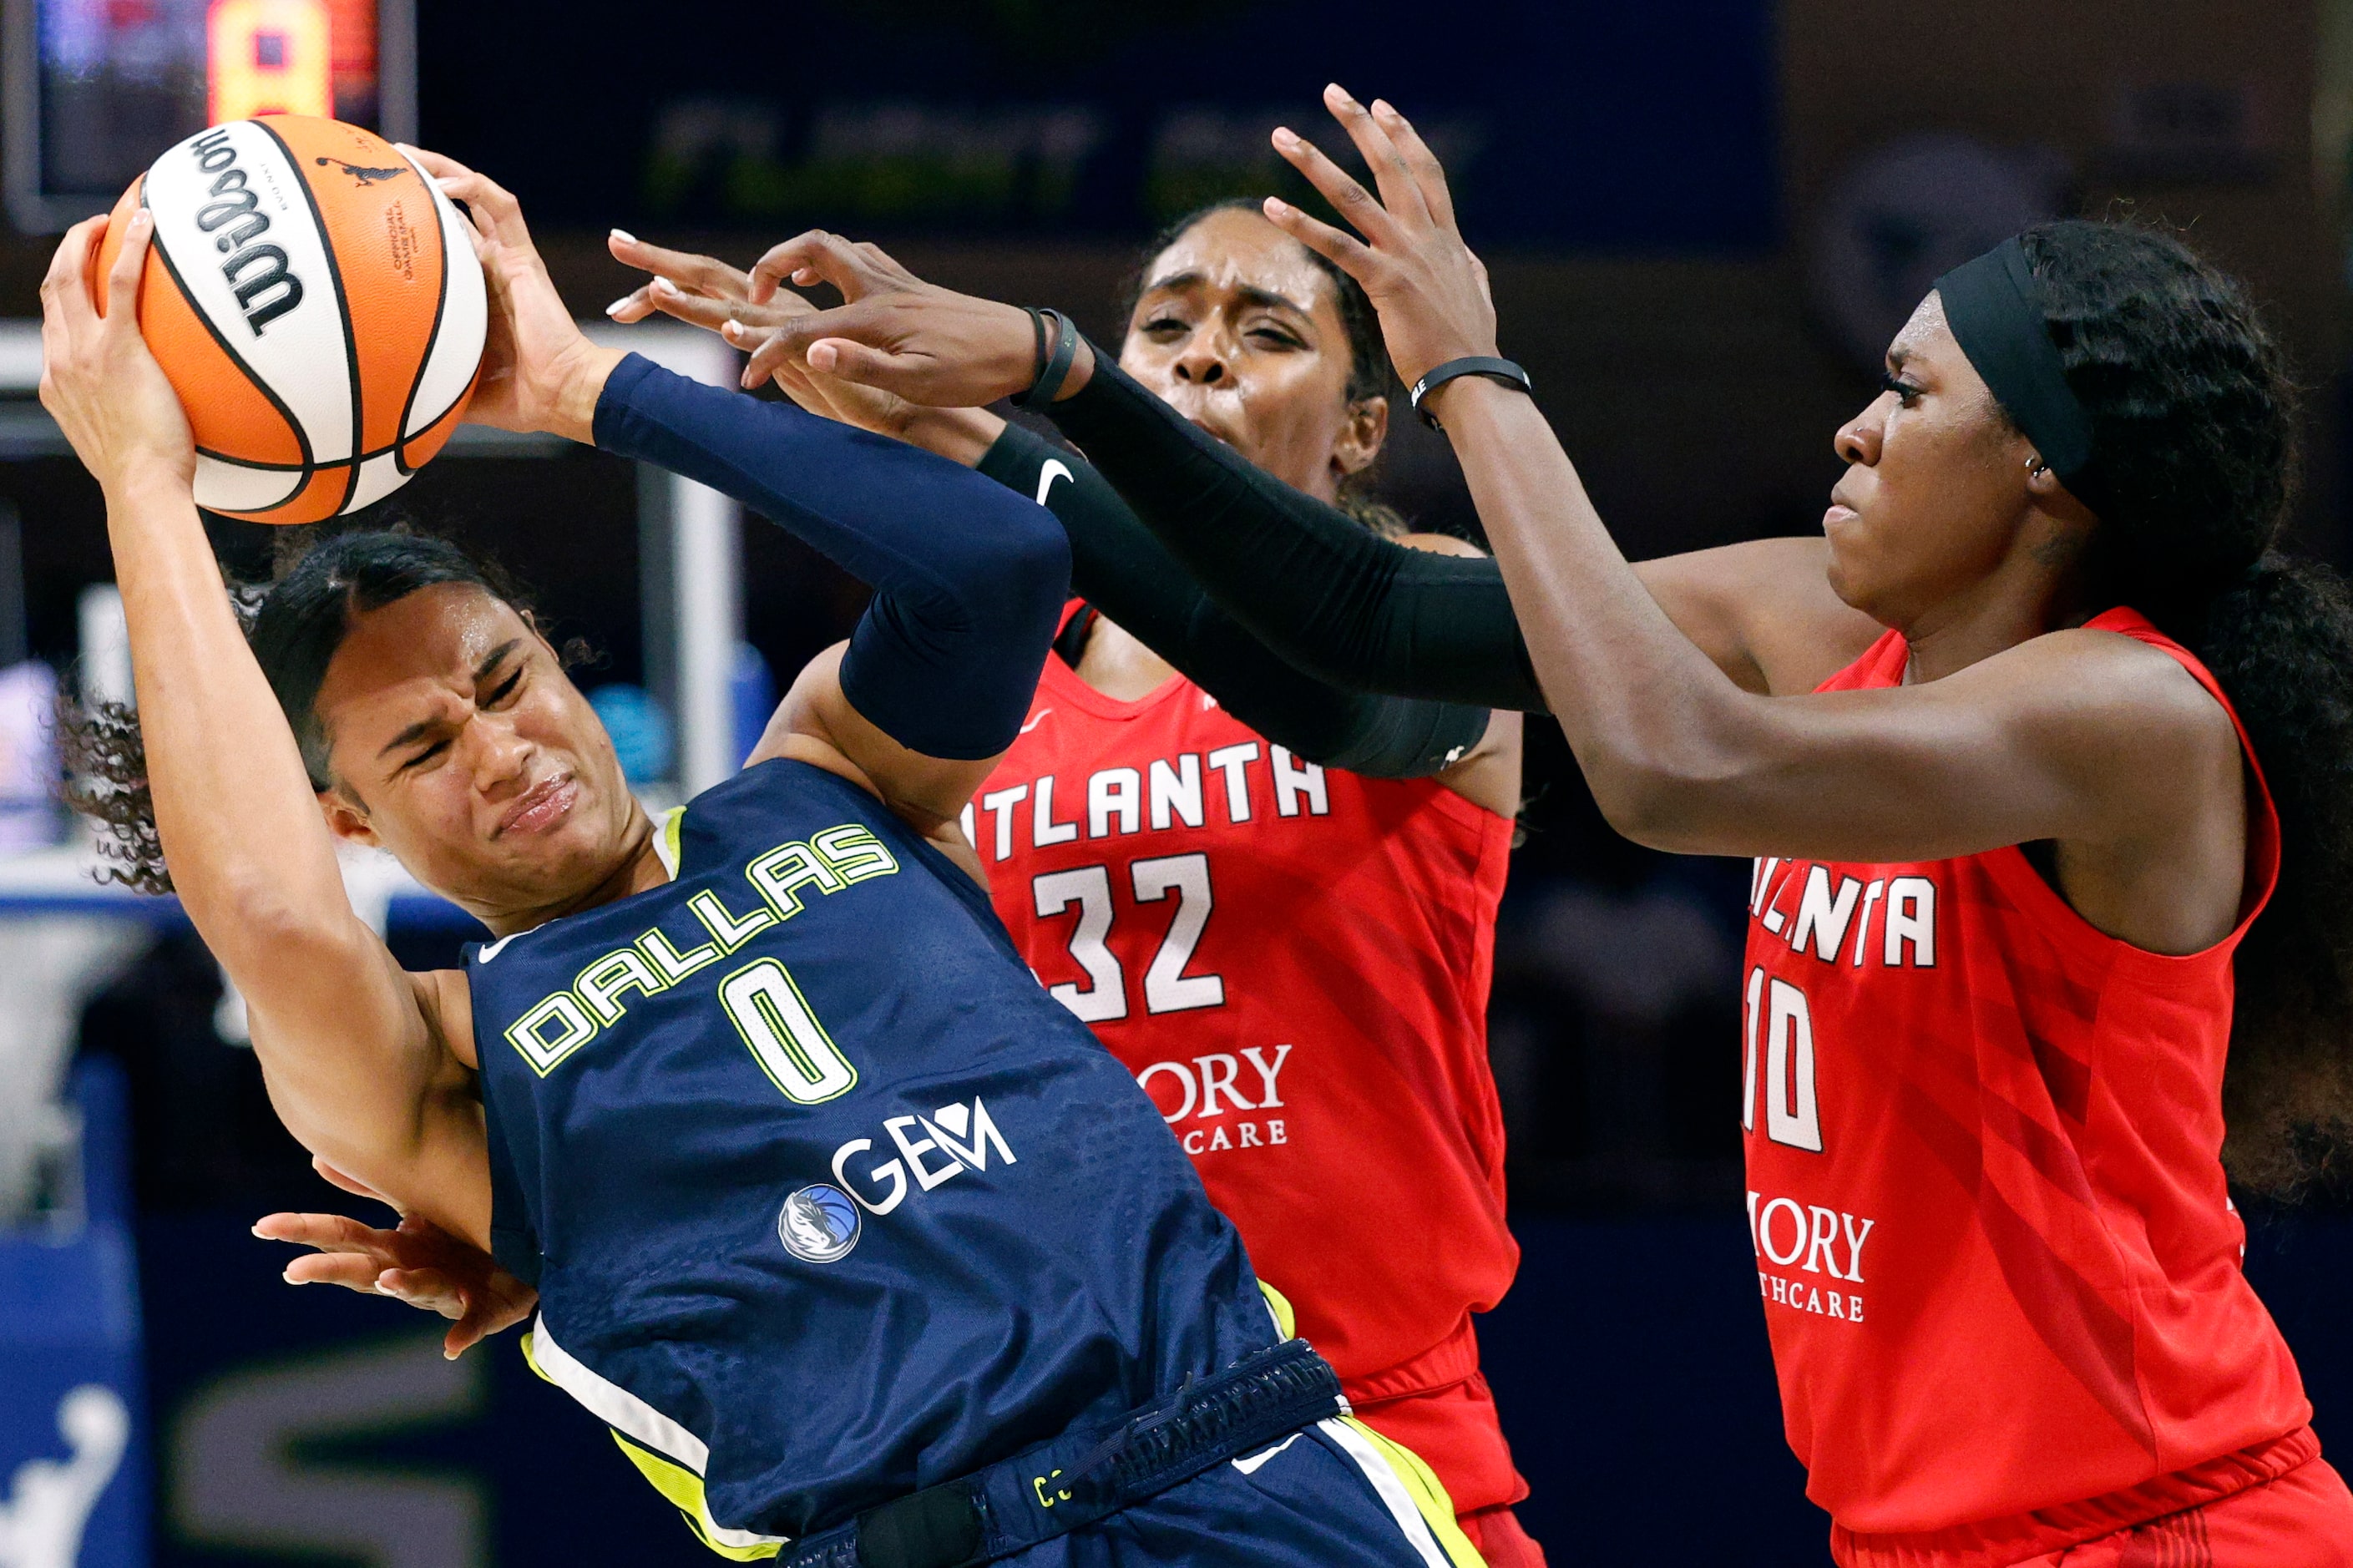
x: 819, y: 1224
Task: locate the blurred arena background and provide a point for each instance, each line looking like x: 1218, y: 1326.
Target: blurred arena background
x: 1676, y: 199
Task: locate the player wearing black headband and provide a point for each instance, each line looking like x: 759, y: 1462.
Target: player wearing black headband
x: 1999, y: 741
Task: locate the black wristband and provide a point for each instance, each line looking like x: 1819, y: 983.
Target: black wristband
x: 1494, y: 369
x: 1055, y: 369
x: 1038, y: 354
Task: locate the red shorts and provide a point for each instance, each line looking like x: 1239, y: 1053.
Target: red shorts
x: 1497, y: 1533
x: 2304, y: 1519
x: 2300, y: 1516
x: 1454, y: 1431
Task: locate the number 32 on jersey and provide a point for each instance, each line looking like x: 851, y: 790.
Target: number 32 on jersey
x: 1184, y: 878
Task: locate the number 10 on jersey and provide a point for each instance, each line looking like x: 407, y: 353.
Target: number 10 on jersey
x: 1777, y: 1010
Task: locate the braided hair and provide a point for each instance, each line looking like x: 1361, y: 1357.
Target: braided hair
x: 2194, y: 416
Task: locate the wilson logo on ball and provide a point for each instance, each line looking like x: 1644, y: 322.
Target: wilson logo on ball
x: 321, y: 317
x: 269, y: 293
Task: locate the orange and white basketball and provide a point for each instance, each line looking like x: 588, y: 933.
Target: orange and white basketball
x: 316, y: 303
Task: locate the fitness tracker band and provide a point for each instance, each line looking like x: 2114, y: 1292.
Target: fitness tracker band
x: 1494, y: 369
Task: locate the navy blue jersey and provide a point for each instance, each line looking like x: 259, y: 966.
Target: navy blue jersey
x: 826, y: 1199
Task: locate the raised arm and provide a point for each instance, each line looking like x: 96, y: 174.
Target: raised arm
x: 368, y: 1067
x: 2082, y: 738
x: 968, y: 578
x: 1331, y: 596
x: 1359, y: 612
x: 1117, y: 563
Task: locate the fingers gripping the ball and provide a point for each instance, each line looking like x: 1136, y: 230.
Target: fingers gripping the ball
x: 123, y: 277
x: 493, y: 207
x: 69, y: 313
x: 63, y: 287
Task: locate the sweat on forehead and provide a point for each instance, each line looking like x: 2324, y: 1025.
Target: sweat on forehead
x: 1237, y: 248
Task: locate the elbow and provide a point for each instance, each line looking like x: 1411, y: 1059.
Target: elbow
x: 1037, y: 546
x: 1673, y: 774
x: 1661, y: 801
x: 1026, y: 574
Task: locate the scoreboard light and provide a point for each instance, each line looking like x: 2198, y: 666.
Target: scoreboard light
x: 268, y: 56
x: 93, y: 89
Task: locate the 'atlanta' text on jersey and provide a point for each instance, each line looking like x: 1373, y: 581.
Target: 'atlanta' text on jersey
x: 1293, y: 962
x: 1997, y: 1254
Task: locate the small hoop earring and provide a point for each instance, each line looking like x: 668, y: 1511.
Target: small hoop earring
x: 2037, y: 466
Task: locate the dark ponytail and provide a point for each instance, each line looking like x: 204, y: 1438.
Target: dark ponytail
x: 294, y: 624
x: 2194, y: 417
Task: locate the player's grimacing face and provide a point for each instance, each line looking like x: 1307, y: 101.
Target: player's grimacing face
x: 1934, y: 488
x: 458, y: 743
x: 1237, y: 330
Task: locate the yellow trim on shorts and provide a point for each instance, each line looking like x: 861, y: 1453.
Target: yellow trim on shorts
x: 683, y: 1487
x: 1286, y: 1321
x: 679, y: 1486
x: 1428, y: 1494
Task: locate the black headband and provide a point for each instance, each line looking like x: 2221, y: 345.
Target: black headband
x: 1994, y: 307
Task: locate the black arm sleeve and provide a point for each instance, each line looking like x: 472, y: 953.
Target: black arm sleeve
x: 968, y: 580
x: 1119, y: 568
x: 1302, y: 577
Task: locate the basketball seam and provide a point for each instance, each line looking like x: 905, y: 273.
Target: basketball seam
x: 432, y: 338
x: 263, y: 513
x: 289, y: 498
x: 196, y: 308
x: 342, y: 302
x: 315, y: 467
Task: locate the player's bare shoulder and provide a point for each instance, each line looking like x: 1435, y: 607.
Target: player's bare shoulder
x: 2146, y: 697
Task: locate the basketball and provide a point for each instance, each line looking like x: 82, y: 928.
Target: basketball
x: 315, y: 301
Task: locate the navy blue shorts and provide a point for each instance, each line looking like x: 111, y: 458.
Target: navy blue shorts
x: 1336, y: 1492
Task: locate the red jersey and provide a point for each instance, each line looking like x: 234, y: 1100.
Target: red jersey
x: 1294, y: 961
x: 1998, y: 1264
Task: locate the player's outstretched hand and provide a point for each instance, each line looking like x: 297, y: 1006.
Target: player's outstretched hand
x: 1430, y: 290
x: 539, y: 371
x: 98, y: 379
x: 415, y: 1263
x: 705, y: 292
x: 892, y: 330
